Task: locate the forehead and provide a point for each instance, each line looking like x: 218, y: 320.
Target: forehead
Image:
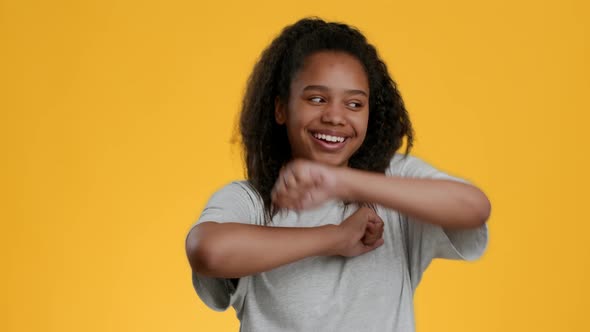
x: 332, y: 69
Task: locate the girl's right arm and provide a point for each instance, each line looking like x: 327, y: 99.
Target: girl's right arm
x: 234, y: 250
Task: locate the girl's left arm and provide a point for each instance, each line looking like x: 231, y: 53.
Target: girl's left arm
x: 448, y: 203
x: 304, y: 184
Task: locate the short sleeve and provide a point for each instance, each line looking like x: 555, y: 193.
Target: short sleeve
x: 425, y: 241
x: 235, y: 202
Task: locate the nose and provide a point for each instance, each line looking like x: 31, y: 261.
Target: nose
x: 334, y: 114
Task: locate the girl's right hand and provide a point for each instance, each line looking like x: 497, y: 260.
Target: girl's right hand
x: 361, y: 233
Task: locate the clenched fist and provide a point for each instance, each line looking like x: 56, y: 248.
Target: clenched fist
x: 361, y: 233
x: 304, y: 184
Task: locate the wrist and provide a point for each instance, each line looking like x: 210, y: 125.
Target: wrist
x: 345, y: 185
x: 332, y: 235
x: 342, y: 186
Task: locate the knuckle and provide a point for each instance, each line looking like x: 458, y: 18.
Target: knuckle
x: 296, y: 165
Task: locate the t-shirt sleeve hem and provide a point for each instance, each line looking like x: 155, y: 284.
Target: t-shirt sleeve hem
x: 219, y: 294
x: 468, y: 244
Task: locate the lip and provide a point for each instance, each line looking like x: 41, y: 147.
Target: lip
x: 330, y: 132
x: 329, y: 147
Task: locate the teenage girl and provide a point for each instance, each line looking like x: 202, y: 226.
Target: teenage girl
x: 333, y: 228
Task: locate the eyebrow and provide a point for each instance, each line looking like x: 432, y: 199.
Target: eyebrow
x: 326, y: 89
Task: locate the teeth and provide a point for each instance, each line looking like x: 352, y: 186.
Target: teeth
x: 329, y: 138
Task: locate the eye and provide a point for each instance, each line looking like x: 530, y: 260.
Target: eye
x: 316, y: 100
x: 354, y: 104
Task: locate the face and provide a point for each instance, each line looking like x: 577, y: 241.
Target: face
x: 328, y: 108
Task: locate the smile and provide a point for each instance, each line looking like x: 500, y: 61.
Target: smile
x: 329, y: 138
x: 329, y: 143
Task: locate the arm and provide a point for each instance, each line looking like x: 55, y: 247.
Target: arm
x: 233, y: 250
x: 447, y: 203
x: 450, y: 204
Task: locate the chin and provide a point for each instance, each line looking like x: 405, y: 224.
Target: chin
x: 332, y: 162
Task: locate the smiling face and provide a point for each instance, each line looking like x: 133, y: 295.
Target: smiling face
x: 328, y: 108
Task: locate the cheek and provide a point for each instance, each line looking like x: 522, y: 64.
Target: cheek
x: 361, y: 124
x: 294, y: 130
x: 298, y: 118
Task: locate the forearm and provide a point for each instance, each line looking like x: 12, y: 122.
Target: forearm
x: 447, y: 203
x: 234, y: 250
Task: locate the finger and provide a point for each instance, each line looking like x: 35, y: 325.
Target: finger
x: 378, y: 244
x: 370, y: 229
x: 307, y: 198
x: 316, y: 178
x: 369, y: 241
x: 373, y: 246
x: 362, y: 213
x: 300, y: 174
x: 380, y: 234
x: 296, y: 188
x: 374, y: 217
x: 281, y: 197
x: 371, y: 213
x: 371, y: 234
x: 366, y: 240
x: 278, y: 191
x: 380, y: 227
x: 370, y: 237
x: 301, y: 196
x: 289, y: 178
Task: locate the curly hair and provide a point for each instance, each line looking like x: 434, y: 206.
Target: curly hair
x: 266, y: 146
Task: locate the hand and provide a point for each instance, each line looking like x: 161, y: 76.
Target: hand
x: 361, y: 233
x: 373, y: 232
x: 304, y: 184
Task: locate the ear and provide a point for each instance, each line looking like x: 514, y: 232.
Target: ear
x: 280, y: 112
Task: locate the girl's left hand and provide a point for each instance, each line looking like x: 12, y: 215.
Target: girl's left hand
x: 304, y: 184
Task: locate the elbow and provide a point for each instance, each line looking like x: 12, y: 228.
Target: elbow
x: 201, y: 253
x: 482, y: 208
x: 476, y: 208
x: 486, y: 210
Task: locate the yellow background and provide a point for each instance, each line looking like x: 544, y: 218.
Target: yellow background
x: 116, y: 120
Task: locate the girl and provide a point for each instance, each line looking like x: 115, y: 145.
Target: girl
x: 333, y: 228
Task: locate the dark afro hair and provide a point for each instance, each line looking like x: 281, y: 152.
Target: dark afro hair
x: 266, y: 146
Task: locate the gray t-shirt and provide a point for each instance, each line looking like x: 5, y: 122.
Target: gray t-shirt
x: 371, y: 292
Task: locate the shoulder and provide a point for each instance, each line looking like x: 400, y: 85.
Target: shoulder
x: 240, y: 190
x: 236, y: 201
x: 416, y: 167
x: 400, y: 164
x: 238, y: 186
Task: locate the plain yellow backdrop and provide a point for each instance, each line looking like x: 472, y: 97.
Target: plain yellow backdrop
x: 116, y: 119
